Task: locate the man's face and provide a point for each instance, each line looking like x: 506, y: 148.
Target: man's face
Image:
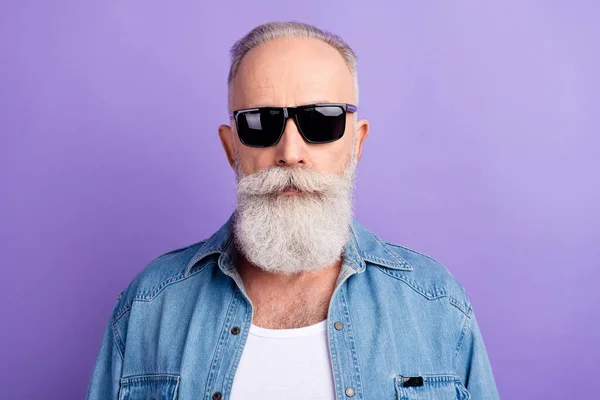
x: 292, y: 72
x: 294, y: 198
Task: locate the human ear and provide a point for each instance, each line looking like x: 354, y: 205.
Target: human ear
x: 226, y: 136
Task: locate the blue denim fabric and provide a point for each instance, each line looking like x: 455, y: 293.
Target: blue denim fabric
x: 407, y: 331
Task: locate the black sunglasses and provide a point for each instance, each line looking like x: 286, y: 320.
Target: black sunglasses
x: 317, y: 123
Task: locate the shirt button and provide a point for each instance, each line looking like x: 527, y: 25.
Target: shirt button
x: 235, y: 330
x: 217, y: 396
x: 339, y: 326
x: 349, y: 391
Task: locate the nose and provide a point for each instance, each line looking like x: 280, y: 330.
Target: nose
x: 291, y: 149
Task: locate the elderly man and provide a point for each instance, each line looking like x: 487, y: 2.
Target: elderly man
x: 292, y: 298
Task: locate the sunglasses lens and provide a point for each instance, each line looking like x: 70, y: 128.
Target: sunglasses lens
x: 261, y: 128
x: 322, y: 124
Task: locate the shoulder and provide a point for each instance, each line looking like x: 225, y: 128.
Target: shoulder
x: 162, y: 271
x: 428, y: 277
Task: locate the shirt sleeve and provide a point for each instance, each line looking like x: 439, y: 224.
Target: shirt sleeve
x: 106, y: 375
x: 474, y: 367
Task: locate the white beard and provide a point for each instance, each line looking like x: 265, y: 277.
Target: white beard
x: 289, y: 234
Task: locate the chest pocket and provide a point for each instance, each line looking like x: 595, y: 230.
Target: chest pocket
x: 430, y: 387
x: 149, y: 387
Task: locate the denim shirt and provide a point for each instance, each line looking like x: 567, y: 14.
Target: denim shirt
x: 399, y: 326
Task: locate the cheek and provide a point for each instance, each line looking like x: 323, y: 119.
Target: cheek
x: 253, y: 160
x: 332, y: 158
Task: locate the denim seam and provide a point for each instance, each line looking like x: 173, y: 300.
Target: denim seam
x: 448, y: 377
x: 152, y: 376
x: 464, y: 392
x: 118, y: 340
x: 385, y: 263
x: 463, y: 333
x: 141, y: 296
x: 349, y: 328
x: 396, y: 257
x: 438, y: 378
x: 150, y: 295
x: 217, y: 354
x: 173, y: 379
x: 122, y: 312
x: 429, y: 295
x: 335, y: 355
x: 468, y: 310
x: 176, y: 390
x: 126, y: 308
x: 413, y: 251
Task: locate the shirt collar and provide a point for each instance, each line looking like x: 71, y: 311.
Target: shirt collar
x: 362, y: 247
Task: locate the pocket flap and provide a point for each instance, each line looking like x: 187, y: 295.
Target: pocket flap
x: 430, y: 387
x: 149, y: 387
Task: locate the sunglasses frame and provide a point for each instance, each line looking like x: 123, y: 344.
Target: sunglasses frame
x: 292, y: 112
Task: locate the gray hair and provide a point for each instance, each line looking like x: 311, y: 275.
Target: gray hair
x: 273, y: 30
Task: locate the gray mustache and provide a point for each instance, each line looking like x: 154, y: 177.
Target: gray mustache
x: 276, y: 179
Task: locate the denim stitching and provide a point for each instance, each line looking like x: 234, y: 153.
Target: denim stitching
x: 142, y: 296
x: 401, y: 260
x: 429, y: 295
x: 359, y: 389
x: 219, y: 349
x: 437, y: 293
x: 149, y: 377
x: 413, y: 251
x: 463, y: 333
x: 127, y: 307
x: 149, y: 295
x: 175, y: 394
x: 334, y: 354
x: 465, y: 393
x: 118, y: 340
x: 468, y: 310
x: 123, y: 311
x: 437, y: 378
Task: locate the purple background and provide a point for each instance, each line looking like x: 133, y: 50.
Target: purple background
x: 482, y: 154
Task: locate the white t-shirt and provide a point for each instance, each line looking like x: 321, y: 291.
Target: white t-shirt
x: 285, y: 364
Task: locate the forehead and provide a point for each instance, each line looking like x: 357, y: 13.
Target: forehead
x: 291, y: 72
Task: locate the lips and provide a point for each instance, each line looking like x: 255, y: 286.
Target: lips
x: 291, y: 190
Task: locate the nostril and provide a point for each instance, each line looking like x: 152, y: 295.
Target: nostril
x: 289, y: 162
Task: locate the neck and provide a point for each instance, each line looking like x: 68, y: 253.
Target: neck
x: 276, y: 297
